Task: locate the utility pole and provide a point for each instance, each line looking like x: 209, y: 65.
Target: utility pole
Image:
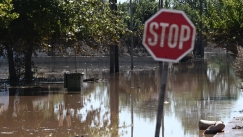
x: 200, y: 32
x: 160, y: 4
x: 160, y: 7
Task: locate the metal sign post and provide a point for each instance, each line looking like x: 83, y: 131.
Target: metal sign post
x: 168, y: 36
x: 161, y: 98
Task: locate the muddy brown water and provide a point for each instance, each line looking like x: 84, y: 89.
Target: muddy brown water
x: 125, y: 104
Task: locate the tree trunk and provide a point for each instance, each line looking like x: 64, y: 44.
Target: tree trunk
x: 116, y: 58
x: 13, y: 78
x: 112, y: 58
x: 28, y: 67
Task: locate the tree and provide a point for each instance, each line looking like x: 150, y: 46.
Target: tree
x: 142, y: 11
x: 54, y: 22
x: 6, y: 16
x: 36, y: 22
x: 224, y: 20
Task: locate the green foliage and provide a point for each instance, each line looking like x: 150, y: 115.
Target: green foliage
x: 37, y: 22
x: 104, y: 25
x: 58, y: 22
x: 142, y: 11
x: 191, y: 11
x: 224, y: 21
x: 91, y: 23
x: 6, y: 16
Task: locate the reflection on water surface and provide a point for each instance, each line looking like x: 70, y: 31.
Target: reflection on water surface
x: 125, y: 104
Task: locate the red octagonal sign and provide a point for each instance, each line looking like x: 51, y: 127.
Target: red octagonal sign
x: 169, y: 35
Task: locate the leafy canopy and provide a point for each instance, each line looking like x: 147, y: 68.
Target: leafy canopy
x: 6, y: 16
x: 224, y: 21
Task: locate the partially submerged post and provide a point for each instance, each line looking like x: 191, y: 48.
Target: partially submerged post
x: 73, y: 81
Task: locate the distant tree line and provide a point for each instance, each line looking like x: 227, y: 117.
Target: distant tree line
x: 29, y: 25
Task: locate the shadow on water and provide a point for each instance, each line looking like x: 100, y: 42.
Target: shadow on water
x: 125, y: 104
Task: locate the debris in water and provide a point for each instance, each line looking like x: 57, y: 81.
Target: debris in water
x: 6, y: 133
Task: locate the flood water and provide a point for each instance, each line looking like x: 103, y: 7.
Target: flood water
x: 125, y: 104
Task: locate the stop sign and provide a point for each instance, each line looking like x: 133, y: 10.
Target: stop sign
x: 169, y: 35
